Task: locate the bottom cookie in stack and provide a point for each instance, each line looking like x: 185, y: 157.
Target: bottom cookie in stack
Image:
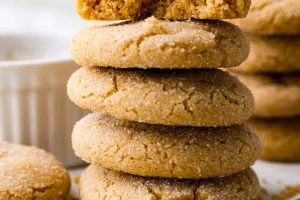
x: 100, y: 183
x: 281, y: 138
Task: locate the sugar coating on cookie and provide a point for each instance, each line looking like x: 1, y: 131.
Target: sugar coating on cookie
x: 154, y: 43
x: 164, y: 151
x: 29, y: 173
x: 276, y: 95
x: 99, y: 183
x: 267, y: 17
x: 280, y: 138
x: 272, y: 54
x: 175, y: 10
x: 203, y: 97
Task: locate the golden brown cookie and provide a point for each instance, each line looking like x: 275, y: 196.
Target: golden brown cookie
x: 272, y: 17
x: 99, y: 183
x: 164, y: 151
x: 28, y: 173
x: 272, y: 54
x: 276, y: 95
x: 154, y: 43
x: 179, y: 9
x: 280, y: 138
x: 199, y: 97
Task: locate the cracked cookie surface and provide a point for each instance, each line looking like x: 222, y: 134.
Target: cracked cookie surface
x: 165, y: 9
x: 164, y: 151
x: 276, y: 95
x: 198, y: 97
x: 153, y: 43
x: 99, y: 183
x: 28, y: 173
x: 275, y: 54
x: 272, y: 17
x: 280, y: 138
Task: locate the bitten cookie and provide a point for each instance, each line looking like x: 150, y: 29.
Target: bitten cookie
x: 272, y: 17
x: 99, y: 183
x: 276, y: 54
x: 153, y: 43
x: 280, y: 138
x: 206, y: 97
x: 276, y: 95
x: 164, y: 151
x: 179, y: 9
x: 29, y: 173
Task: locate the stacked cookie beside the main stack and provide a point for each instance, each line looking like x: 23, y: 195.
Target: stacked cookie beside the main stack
x: 272, y: 74
x: 164, y: 130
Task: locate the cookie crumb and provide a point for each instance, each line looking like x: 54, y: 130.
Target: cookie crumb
x: 264, y: 181
x: 71, y: 198
x: 77, y: 180
x: 288, y: 192
x: 264, y: 191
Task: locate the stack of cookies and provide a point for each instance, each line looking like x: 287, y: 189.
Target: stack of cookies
x: 272, y: 74
x: 168, y: 123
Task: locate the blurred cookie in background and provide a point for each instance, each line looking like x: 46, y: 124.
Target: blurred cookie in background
x: 275, y: 95
x: 272, y: 17
x: 31, y: 173
x: 271, y: 54
x: 280, y: 138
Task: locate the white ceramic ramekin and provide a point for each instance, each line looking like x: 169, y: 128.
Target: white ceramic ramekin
x: 34, y: 107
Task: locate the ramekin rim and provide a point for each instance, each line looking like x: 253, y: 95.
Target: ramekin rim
x: 42, y: 61
x: 30, y: 62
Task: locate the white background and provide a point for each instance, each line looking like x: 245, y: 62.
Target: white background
x: 39, y: 16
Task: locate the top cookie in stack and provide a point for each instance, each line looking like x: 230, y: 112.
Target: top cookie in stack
x: 164, y: 114
x: 163, y: 9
